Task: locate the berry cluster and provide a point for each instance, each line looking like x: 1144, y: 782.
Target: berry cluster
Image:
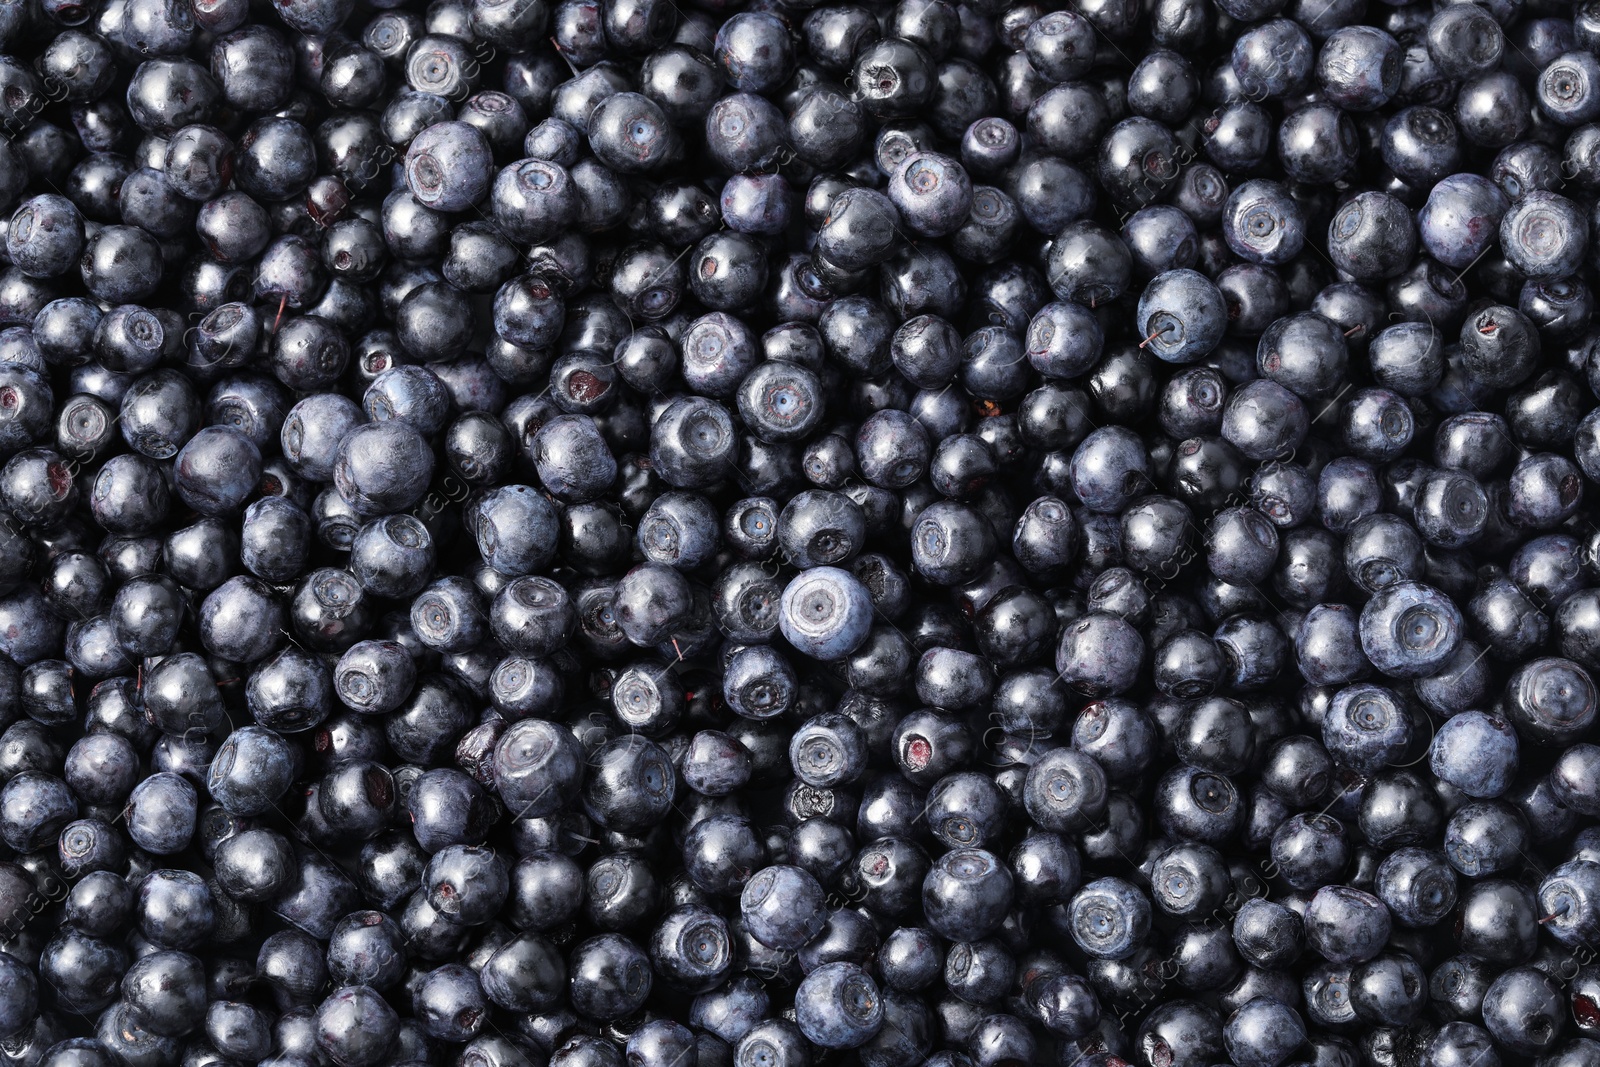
x: 792, y: 533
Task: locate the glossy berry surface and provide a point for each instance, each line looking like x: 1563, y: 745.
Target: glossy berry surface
x: 608, y: 533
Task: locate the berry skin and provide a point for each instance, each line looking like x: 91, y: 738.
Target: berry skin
x: 632, y: 535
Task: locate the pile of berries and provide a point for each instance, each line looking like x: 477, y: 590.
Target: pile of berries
x: 799, y: 533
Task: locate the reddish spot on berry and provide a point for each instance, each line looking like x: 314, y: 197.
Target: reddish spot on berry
x: 60, y: 479
x: 585, y: 386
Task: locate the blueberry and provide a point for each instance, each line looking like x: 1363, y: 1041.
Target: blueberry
x: 1522, y: 1009
x: 1566, y: 89
x: 1543, y: 235
x: 609, y: 976
x: 1459, y: 1041
x: 447, y: 166
x: 251, y: 771
x: 1088, y: 264
x: 1418, y: 886
x: 1304, y: 353
x: 1475, y: 752
x: 1346, y: 925
x: 1272, y: 59
x: 1461, y: 218
x: 382, y: 467
x: 825, y: 613
x: 630, y: 133
x: 45, y: 236
x: 754, y: 51
x: 933, y: 193
x: 1263, y: 1033
x: 533, y: 200
x: 1264, y: 420
x: 1181, y: 316
x: 175, y: 910
x: 217, y: 470
x: 1060, y: 45
x: 782, y: 907
x: 165, y: 992
x: 1359, y: 67
x: 743, y: 131
x: 838, y: 1006
x: 1372, y: 237
x: 1100, y: 654
x: 1262, y: 223
x: 1421, y: 144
